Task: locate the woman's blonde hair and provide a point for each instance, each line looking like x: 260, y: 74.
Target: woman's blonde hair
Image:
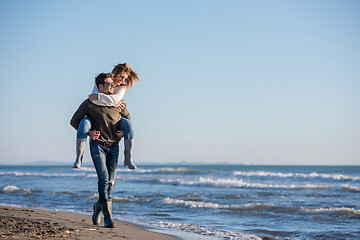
x: 132, y: 76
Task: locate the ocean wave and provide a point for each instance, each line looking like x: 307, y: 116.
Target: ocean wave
x: 117, y: 199
x: 205, y: 231
x: 209, y: 205
x: 124, y: 199
x: 12, y: 189
x: 74, y: 194
x: 14, y: 205
x: 344, y: 211
x: 339, y: 177
x: 223, y: 182
x: 349, y: 212
x: 92, y: 175
x: 231, y: 182
x: 350, y: 188
x: 20, y: 174
x: 164, y: 170
x: 161, y: 171
x: 85, y: 169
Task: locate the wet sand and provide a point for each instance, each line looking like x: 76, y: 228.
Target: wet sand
x: 25, y: 223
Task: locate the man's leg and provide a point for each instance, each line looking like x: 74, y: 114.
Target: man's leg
x: 112, y: 156
x: 111, y: 164
x: 98, y: 155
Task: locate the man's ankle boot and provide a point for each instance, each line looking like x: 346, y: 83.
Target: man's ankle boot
x: 96, y: 217
x: 106, y: 208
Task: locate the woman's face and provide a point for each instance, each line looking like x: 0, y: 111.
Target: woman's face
x: 121, y: 78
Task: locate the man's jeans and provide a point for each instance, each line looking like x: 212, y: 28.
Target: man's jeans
x: 105, y: 161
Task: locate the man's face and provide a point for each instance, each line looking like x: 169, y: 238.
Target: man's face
x: 107, y: 87
x: 120, y: 78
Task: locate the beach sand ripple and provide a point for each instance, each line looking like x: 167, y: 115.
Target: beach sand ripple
x: 26, y: 223
x: 13, y: 226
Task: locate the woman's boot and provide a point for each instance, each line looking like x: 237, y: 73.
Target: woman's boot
x: 106, y: 208
x: 128, y: 145
x: 96, y: 217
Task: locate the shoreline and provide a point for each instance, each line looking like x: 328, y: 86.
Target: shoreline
x: 30, y: 223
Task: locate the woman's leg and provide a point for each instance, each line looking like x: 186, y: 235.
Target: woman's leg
x: 126, y: 126
x: 82, y: 133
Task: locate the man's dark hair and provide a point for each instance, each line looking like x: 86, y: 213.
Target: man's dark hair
x: 101, y: 77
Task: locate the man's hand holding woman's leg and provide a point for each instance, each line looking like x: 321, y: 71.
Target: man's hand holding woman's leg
x: 94, y: 134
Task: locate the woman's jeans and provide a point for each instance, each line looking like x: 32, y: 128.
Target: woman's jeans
x: 124, y: 124
x: 105, y: 161
x: 84, y: 128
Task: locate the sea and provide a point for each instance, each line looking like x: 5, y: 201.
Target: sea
x: 204, y: 201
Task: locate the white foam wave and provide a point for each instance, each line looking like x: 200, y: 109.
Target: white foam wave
x: 159, y: 170
x: 349, y: 212
x: 124, y: 199
x: 85, y: 169
x: 340, y: 211
x: 339, y: 177
x: 204, y: 230
x: 12, y: 188
x: 80, y: 174
x: 13, y: 205
x: 225, y: 182
x: 350, y: 188
x: 199, y: 204
x: 117, y: 199
x: 142, y: 171
x: 92, y: 175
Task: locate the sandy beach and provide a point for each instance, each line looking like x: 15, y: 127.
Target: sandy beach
x: 25, y: 223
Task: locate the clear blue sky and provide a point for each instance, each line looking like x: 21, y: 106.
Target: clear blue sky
x: 252, y: 82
